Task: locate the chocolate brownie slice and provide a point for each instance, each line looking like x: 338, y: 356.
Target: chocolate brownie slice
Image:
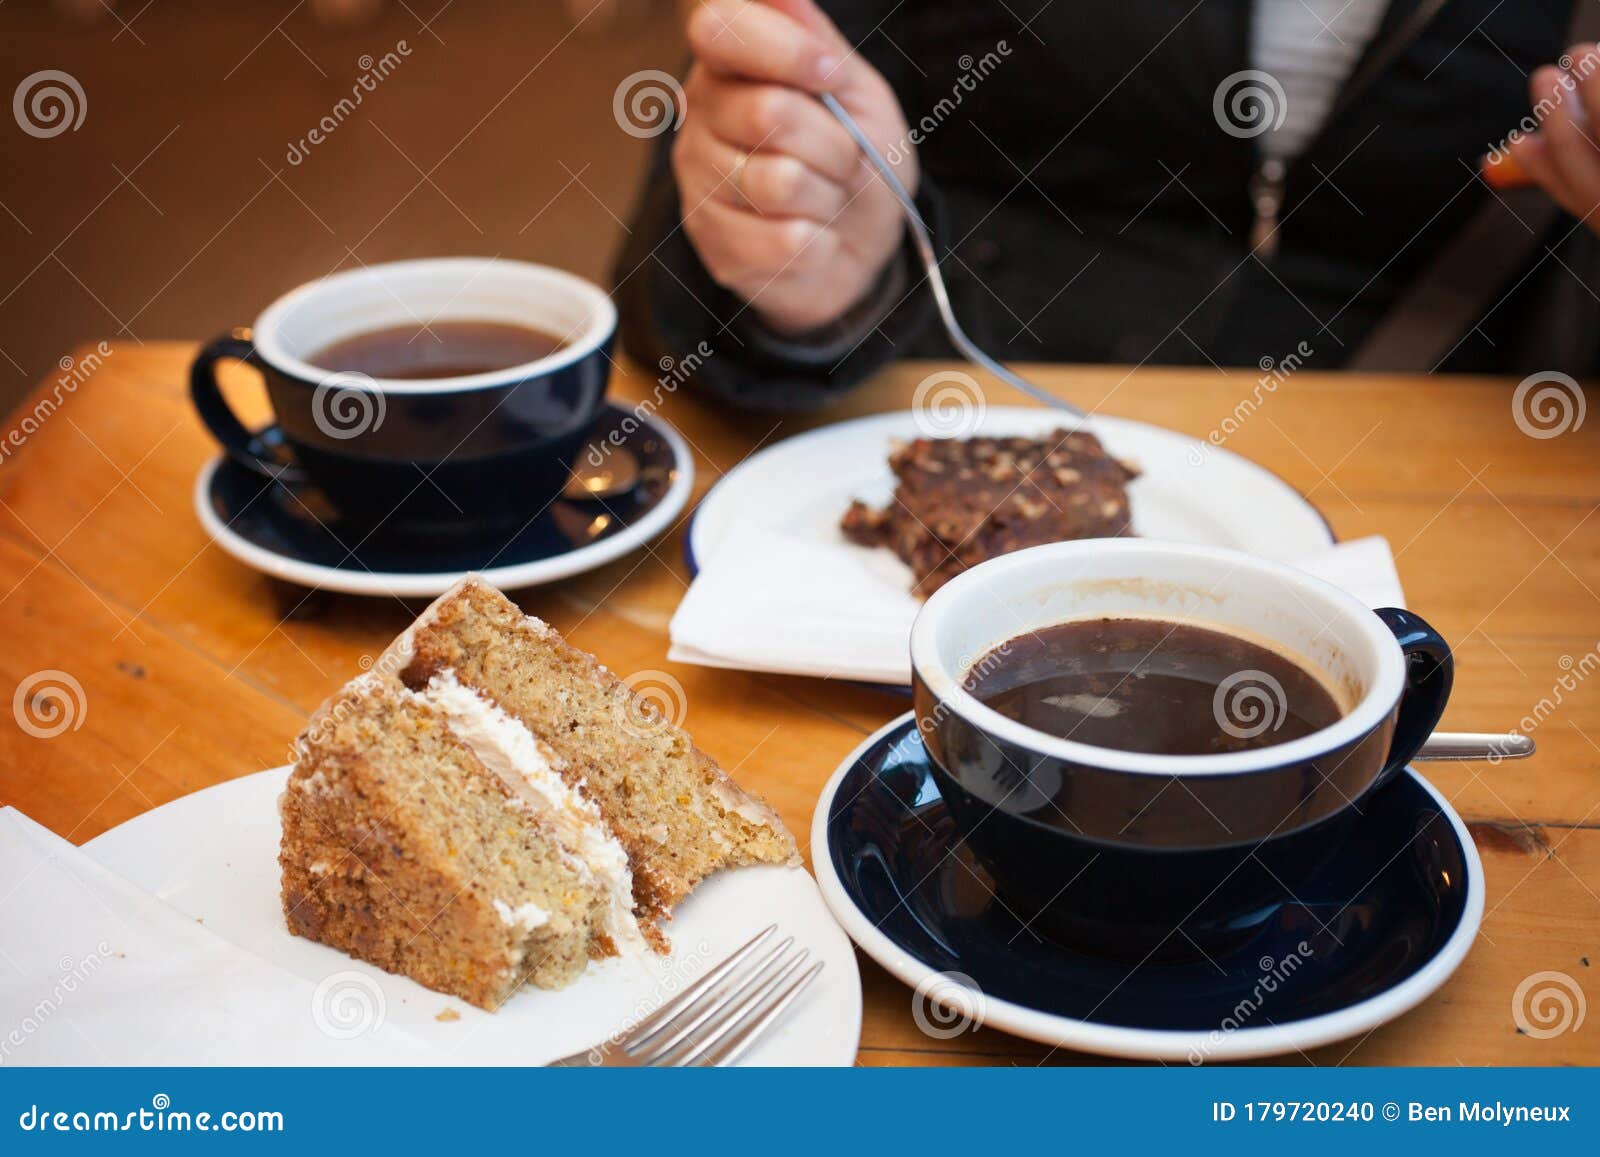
x: 959, y: 502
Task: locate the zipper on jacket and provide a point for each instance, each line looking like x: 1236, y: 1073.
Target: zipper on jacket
x: 1266, y: 196
x: 1389, y: 41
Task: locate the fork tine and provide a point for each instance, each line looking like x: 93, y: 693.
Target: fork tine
x: 650, y: 1025
x: 711, y: 1004
x: 772, y: 1008
x: 749, y: 996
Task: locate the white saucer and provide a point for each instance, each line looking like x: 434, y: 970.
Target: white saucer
x: 214, y: 856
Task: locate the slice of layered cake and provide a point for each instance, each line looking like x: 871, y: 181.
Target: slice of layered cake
x: 489, y: 806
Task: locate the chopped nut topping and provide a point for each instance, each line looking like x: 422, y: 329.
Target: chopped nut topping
x: 959, y: 502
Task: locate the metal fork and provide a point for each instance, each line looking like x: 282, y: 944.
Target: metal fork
x: 930, y: 263
x: 717, y: 1018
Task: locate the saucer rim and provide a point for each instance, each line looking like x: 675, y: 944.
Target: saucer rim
x: 430, y: 584
x: 1145, y: 1043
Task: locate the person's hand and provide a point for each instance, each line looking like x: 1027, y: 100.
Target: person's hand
x: 1563, y: 157
x: 777, y: 200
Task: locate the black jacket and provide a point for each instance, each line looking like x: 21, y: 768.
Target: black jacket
x: 1090, y: 208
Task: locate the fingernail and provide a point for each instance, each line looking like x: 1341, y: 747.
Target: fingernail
x: 822, y: 68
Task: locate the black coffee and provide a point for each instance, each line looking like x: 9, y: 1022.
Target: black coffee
x: 442, y: 349
x: 1152, y: 686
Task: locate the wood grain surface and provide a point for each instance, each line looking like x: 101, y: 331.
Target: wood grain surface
x: 195, y: 669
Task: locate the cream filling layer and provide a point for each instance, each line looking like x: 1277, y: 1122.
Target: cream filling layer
x: 512, y: 752
x: 527, y: 916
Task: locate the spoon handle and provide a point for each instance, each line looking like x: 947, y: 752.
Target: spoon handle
x: 1456, y: 745
x: 930, y: 262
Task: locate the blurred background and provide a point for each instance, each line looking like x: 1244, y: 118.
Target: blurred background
x: 192, y: 191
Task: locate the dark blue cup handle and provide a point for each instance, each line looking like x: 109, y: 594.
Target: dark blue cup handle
x: 256, y: 450
x: 1430, y: 670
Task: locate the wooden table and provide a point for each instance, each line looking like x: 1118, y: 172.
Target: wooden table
x: 196, y: 669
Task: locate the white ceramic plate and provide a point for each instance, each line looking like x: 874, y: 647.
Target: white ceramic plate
x: 214, y: 856
x: 803, y: 485
x: 1187, y: 491
x: 1144, y: 1043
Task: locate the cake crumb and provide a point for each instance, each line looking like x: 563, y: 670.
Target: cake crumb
x: 447, y: 1016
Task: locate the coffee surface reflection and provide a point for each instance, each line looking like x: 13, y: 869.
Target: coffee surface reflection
x: 440, y: 349
x: 1152, y: 686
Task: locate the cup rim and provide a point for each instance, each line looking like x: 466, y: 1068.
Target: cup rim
x: 1375, y: 705
x: 602, y: 325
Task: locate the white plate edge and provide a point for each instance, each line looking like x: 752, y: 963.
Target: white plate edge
x: 850, y: 1040
x: 696, y: 540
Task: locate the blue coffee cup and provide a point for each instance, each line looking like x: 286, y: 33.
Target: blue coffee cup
x: 1154, y: 856
x: 419, y: 457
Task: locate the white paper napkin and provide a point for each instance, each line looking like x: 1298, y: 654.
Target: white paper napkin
x: 1363, y: 567
x: 770, y: 601
x: 95, y: 971
x: 776, y: 602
